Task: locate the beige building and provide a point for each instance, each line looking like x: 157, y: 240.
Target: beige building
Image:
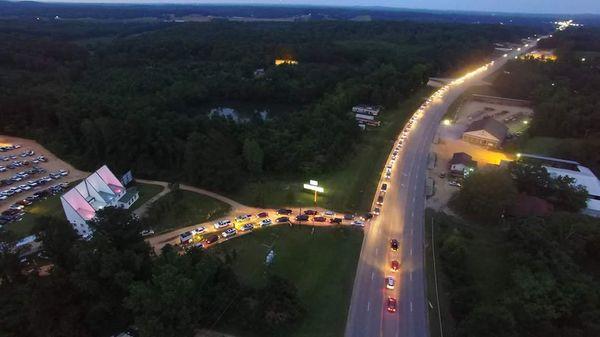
x: 486, y: 132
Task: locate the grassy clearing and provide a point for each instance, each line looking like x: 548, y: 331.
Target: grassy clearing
x: 50, y: 207
x: 147, y: 192
x: 183, y: 208
x: 351, y: 187
x: 322, y: 265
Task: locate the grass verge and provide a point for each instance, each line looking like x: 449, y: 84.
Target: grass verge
x: 147, y: 192
x: 352, y: 186
x: 321, y: 263
x: 183, y: 208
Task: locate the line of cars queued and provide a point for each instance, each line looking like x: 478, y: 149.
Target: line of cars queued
x: 246, y: 223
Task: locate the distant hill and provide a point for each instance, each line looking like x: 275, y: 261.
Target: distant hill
x: 180, y: 12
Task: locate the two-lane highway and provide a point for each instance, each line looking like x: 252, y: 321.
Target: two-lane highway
x: 401, y: 218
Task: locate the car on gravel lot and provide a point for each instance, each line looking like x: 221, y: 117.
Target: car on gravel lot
x: 265, y: 222
x: 348, y: 216
x: 358, y: 223
x: 335, y: 220
x: 311, y: 212
x: 283, y: 219
x: 247, y: 227
x: 319, y: 219
x: 222, y: 224
x: 147, y: 232
x: 302, y: 217
x: 262, y: 215
x: 229, y: 232
x: 284, y: 211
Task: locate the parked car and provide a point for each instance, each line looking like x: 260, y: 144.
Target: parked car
x: 247, y: 227
x: 265, y: 222
x: 348, y: 216
x: 211, y: 239
x: 284, y: 211
x: 262, y: 215
x: 302, y: 217
x: 336, y: 220
x: 199, y: 230
x: 311, y: 212
x: 222, y: 224
x: 320, y: 219
x: 229, y: 232
x: 329, y: 213
x: 147, y: 232
x: 358, y: 223
x: 283, y: 219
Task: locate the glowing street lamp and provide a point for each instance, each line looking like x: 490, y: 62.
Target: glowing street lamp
x: 447, y: 122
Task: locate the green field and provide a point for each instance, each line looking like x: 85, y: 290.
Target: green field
x: 147, y: 192
x: 183, y: 208
x: 321, y: 265
x: 50, y: 207
x: 352, y: 186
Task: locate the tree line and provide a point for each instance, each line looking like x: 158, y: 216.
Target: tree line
x: 103, y: 286
x: 138, y: 96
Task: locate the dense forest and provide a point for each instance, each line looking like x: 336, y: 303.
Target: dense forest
x: 101, y: 287
x: 138, y: 96
x: 564, y: 93
x: 535, y: 277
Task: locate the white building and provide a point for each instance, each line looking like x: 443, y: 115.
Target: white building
x: 366, y: 109
x: 99, y: 190
x: 582, y: 175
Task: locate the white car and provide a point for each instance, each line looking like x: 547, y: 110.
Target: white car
x: 265, y: 222
x: 243, y: 218
x: 228, y: 233
x: 63, y: 173
x: 147, y: 232
x: 389, y: 282
x: 329, y: 213
x: 199, y: 230
x: 222, y: 224
x: 358, y: 223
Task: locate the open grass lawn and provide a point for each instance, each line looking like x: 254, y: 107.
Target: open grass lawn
x: 147, y: 191
x: 321, y: 264
x: 349, y: 188
x: 183, y: 208
x: 50, y: 207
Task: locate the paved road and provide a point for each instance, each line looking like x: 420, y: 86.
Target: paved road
x: 402, y: 217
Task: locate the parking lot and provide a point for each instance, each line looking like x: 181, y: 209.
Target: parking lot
x: 516, y: 118
x: 29, y: 173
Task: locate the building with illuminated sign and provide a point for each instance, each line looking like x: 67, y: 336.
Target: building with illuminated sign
x: 99, y: 190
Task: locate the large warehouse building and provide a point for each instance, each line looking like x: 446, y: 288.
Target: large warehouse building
x: 582, y: 175
x: 486, y: 132
x: 99, y: 190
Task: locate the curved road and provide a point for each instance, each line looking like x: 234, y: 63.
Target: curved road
x: 402, y: 217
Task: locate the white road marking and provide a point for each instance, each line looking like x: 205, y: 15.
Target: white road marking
x: 376, y: 251
x: 412, y: 231
x: 411, y: 307
x: 412, y: 214
x: 372, y: 275
x: 411, y: 275
x: 411, y: 251
x: 414, y: 199
x: 369, y: 306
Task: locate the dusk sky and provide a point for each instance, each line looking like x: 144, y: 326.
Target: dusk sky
x: 521, y: 6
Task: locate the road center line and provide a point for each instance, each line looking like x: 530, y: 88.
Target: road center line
x: 372, y: 275
x: 369, y: 306
x: 376, y: 251
x: 411, y: 251
x: 411, y: 306
x: 411, y: 275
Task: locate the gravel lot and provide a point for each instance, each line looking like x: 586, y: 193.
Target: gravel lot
x: 53, y: 164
